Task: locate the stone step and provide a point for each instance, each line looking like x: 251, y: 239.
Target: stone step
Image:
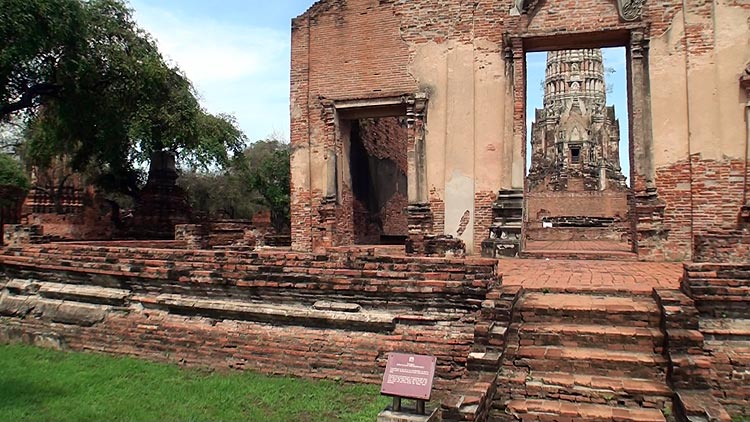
x: 626, y: 338
x: 595, y: 389
x: 556, y: 411
x: 556, y: 308
x: 725, y: 328
x: 591, y: 361
x: 471, y: 399
x: 701, y: 405
x: 580, y: 255
x: 484, y: 361
x: 734, y: 352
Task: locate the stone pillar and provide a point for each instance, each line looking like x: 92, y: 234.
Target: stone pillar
x: 519, y: 112
x: 648, y: 224
x: 744, y: 215
x: 644, y: 173
x: 418, y: 214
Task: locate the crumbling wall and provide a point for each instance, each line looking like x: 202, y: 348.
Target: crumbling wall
x: 337, y: 315
x: 468, y: 58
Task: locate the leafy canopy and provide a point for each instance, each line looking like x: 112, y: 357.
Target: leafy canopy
x: 257, y: 179
x: 265, y: 167
x: 11, y: 173
x: 95, y: 88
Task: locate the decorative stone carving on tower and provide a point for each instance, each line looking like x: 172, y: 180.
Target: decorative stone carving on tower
x: 575, y: 138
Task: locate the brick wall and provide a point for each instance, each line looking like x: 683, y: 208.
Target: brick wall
x: 361, y: 49
x: 721, y: 292
x: 337, y: 315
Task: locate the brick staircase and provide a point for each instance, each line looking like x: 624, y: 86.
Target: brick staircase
x: 585, y: 357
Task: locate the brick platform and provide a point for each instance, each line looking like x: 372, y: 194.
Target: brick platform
x: 337, y: 315
x: 516, y: 340
x: 579, y: 249
x: 586, y: 276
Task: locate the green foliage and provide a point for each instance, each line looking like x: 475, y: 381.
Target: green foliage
x: 11, y: 173
x: 220, y: 195
x: 45, y: 385
x: 265, y: 167
x: 257, y: 179
x: 97, y: 90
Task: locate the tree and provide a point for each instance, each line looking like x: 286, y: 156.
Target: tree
x: 96, y: 90
x: 12, y: 137
x: 13, y: 187
x: 220, y: 194
x: 11, y: 173
x: 257, y: 179
x: 265, y: 167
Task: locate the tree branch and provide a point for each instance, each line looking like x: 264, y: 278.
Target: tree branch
x: 28, y: 97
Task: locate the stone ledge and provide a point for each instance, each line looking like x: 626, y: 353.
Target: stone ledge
x: 91, y: 294
x: 82, y: 314
x: 261, y: 312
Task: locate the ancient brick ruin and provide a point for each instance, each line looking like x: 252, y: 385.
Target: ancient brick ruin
x: 576, y: 190
x: 455, y: 73
x: 408, y: 133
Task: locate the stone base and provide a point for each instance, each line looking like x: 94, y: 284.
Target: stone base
x: 494, y: 248
x: 389, y: 415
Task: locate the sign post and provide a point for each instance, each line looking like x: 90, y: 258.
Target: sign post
x: 409, y: 377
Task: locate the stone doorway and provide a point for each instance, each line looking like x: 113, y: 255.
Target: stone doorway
x: 577, y: 152
x: 579, y: 200
x: 378, y: 172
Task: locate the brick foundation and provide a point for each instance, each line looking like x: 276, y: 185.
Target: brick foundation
x: 337, y: 314
x: 721, y: 292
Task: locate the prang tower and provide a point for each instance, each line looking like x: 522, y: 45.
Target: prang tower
x: 575, y: 138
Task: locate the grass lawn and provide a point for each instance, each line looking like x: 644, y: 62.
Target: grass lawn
x: 45, y: 385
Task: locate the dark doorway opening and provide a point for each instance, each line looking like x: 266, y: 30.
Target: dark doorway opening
x: 378, y: 169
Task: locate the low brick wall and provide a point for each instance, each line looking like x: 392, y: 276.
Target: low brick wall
x: 729, y: 248
x: 327, y: 316
x: 721, y: 292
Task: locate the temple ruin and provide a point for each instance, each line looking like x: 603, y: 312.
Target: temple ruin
x: 456, y: 74
x: 575, y: 183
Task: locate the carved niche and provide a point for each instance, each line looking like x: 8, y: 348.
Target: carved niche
x: 629, y: 10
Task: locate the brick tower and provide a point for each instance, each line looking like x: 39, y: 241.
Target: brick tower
x: 575, y: 179
x: 575, y: 138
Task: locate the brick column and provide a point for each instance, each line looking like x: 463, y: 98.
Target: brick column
x: 647, y: 224
x: 419, y: 213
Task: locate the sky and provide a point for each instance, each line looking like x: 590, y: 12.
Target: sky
x: 236, y: 53
x: 614, y: 58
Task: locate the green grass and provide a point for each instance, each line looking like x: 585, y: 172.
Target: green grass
x: 45, y: 385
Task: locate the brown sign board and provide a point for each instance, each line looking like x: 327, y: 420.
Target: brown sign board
x: 409, y: 376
